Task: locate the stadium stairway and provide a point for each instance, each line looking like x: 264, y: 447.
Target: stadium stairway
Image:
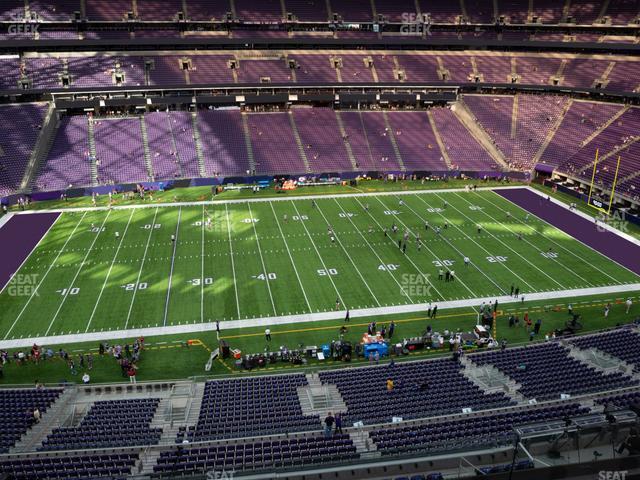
x: 604, y: 126
x: 92, y: 151
x: 296, y: 135
x: 394, y: 143
x: 247, y: 141
x: 467, y: 119
x: 41, y: 149
x: 601, y: 361
x: 318, y: 399
x: 552, y: 132
x: 441, y: 145
x: 347, y: 145
x: 196, y: 137
x: 492, y: 380
x: 54, y: 417
x: 145, y: 146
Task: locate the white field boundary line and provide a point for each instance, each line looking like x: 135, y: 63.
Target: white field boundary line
x: 264, y: 266
x: 233, y: 265
x: 310, y: 318
x: 524, y: 239
x: 605, y: 226
x: 106, y: 278
x: 75, y: 277
x: 293, y: 264
x: 35, y: 291
x: 322, y: 262
x: 173, y: 258
x: 31, y: 252
x: 5, y: 218
x: 366, y: 284
x: 265, y: 199
x: 557, y: 202
x: 144, y: 258
x: 509, y: 248
x: 557, y: 244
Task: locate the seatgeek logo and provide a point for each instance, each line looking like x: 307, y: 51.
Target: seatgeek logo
x: 415, y: 25
x: 612, y: 475
x: 220, y: 474
x: 21, y: 26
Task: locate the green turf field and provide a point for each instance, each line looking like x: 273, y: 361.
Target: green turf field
x: 276, y: 258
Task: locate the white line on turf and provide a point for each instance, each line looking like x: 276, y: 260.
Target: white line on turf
x: 382, y: 262
x: 84, y: 260
x: 106, y: 279
x: 264, y: 267
x: 144, y: 258
x: 445, y: 240
x: 324, y: 265
x: 582, y: 280
x: 173, y: 258
x: 32, y: 250
x: 202, y: 268
x: 531, y: 287
x: 572, y: 238
x: 308, y: 317
x: 233, y: 266
x: 408, y: 257
x: 293, y: 264
x: 35, y: 290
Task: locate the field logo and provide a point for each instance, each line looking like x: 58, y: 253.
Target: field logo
x: 415, y: 25
x: 415, y: 285
x: 22, y: 285
x: 617, y: 220
x: 612, y: 474
x: 220, y: 474
x: 20, y: 26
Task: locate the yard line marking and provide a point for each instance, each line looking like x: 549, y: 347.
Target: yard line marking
x: 553, y: 241
x: 144, y: 258
x: 425, y: 276
x: 95, y: 306
x: 445, y: 240
x: 35, y: 290
x: 66, y: 295
x: 375, y: 298
x: 538, y: 249
x: 264, y: 267
x: 202, y: 269
x: 233, y: 266
x: 290, y: 257
x: 493, y: 236
x: 173, y: 258
x: 324, y: 265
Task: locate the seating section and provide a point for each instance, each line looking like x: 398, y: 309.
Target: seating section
x: 545, y: 371
x: 294, y: 452
x: 250, y: 407
x: 223, y: 142
x: 622, y: 343
x: 20, y: 126
x: 465, y: 155
x: 111, y: 423
x: 115, y: 465
x: 421, y: 389
x: 119, y: 151
x: 16, y: 412
x: 584, y: 12
x: 69, y: 162
x: 466, y: 433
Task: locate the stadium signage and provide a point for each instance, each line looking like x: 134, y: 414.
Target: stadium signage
x: 414, y: 24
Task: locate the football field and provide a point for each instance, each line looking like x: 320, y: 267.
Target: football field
x: 100, y: 270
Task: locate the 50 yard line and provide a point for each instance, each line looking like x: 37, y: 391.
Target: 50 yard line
x: 173, y: 258
x: 144, y: 257
x: 290, y: 257
x: 106, y: 279
x: 35, y: 290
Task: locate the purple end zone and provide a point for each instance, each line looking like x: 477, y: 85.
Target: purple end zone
x: 18, y: 237
x: 609, y: 244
